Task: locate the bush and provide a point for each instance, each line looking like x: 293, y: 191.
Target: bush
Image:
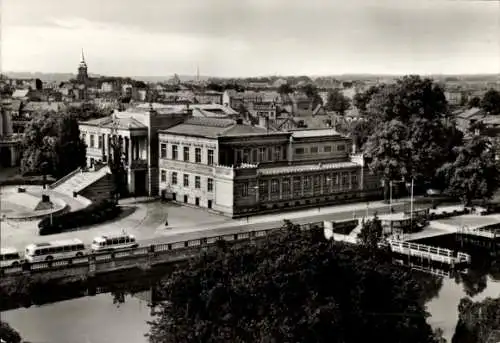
x: 26, y: 180
x: 96, y: 213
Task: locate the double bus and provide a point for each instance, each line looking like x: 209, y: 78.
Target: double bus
x: 10, y: 257
x: 49, y: 251
x: 114, y: 242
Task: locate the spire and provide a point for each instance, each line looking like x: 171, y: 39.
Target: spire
x: 83, y: 57
x: 197, y: 73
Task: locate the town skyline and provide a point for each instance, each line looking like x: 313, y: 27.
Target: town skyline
x: 314, y: 38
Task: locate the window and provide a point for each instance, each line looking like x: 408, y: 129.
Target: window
x: 92, y: 141
x: 209, y: 203
x: 210, y: 185
x: 314, y: 150
x: 174, y: 178
x: 275, y: 188
x: 185, y: 199
x: 186, y: 153
x: 345, y: 179
x: 307, y: 184
x: 210, y: 157
x: 354, y: 181
x: 163, y: 175
x: 197, y: 182
x: 197, y: 155
x: 341, y: 147
x: 285, y: 184
x: 317, y: 184
x: 277, y: 153
x: 174, y: 152
x: 262, y: 154
x: 99, y: 142
x: 244, y: 189
x: 299, y: 151
x: 246, y: 155
x: 297, y: 186
x: 163, y: 150
x: 84, y: 138
x: 327, y: 148
x: 263, y: 190
x: 186, y: 180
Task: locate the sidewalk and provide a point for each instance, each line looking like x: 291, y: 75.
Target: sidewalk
x: 358, y: 210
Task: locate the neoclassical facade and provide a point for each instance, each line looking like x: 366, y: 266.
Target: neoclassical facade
x: 136, y: 131
x: 239, y: 170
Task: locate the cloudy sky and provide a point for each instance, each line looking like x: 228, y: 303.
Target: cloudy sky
x: 251, y: 37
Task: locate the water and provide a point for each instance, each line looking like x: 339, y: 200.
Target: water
x: 97, y: 319
x: 94, y: 319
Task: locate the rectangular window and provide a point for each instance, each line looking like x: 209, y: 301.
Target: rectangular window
x: 99, y: 142
x: 277, y: 153
x: 299, y: 151
x: 262, y: 154
x: 197, y: 155
x: 92, y: 141
x: 307, y: 184
x: 327, y: 148
x: 354, y: 180
x: 163, y: 150
x: 345, y: 179
x: 163, y: 175
x: 175, y: 152
x: 285, y: 184
x: 263, y: 190
x: 341, y: 147
x: 186, y: 153
x: 197, y: 182
x: 186, y: 180
x: 210, y: 157
x: 246, y: 155
x: 210, y: 185
x: 84, y: 138
x: 174, y: 178
x: 244, y: 189
x: 317, y: 184
x: 297, y: 186
x: 314, y: 150
x: 275, y: 188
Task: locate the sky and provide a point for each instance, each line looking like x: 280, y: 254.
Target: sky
x: 231, y: 38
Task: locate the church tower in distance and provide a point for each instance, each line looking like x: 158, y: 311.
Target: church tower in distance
x: 82, y: 76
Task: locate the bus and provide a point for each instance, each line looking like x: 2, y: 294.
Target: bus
x: 114, y: 242
x: 10, y: 257
x: 49, y: 251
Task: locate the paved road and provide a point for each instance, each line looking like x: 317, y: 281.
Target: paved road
x: 195, y: 233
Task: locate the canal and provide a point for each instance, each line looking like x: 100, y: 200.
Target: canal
x: 116, y: 317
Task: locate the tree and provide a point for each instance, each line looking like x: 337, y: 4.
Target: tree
x: 285, y: 89
x: 479, y: 322
x: 360, y: 131
x: 8, y: 334
x: 371, y: 233
x: 474, y: 102
x: 491, y: 102
x: 337, y: 102
x: 474, y: 173
x: 116, y: 164
x: 362, y: 99
x: 52, y: 144
x: 411, y: 136
x: 291, y: 288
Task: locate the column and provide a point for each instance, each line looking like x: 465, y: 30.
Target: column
x: 280, y: 180
x: 108, y: 145
x: 126, y: 149
x: 129, y: 151
x: 103, y: 147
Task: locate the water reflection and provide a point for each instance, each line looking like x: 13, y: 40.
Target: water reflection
x: 118, y: 317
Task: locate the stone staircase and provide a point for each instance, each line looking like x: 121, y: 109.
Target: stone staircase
x: 81, y: 180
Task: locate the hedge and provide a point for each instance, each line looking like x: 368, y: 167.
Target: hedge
x: 26, y: 180
x: 95, y: 213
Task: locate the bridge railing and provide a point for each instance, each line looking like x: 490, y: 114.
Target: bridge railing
x: 430, y: 250
x: 172, y: 248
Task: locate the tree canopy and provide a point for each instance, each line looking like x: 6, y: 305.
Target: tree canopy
x: 491, y: 102
x: 474, y: 173
x: 412, y: 135
x: 293, y: 287
x: 337, y: 102
x: 479, y: 322
x: 52, y: 145
x: 371, y: 232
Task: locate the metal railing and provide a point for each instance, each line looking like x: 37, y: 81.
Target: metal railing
x: 434, y: 253
x: 65, y: 178
x: 189, y: 247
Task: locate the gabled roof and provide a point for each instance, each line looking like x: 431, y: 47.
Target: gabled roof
x: 20, y: 93
x: 116, y: 122
x: 470, y: 113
